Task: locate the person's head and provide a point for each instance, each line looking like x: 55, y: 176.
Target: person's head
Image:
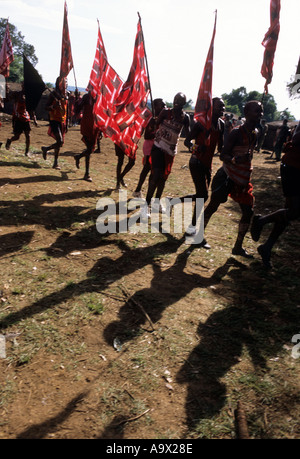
x: 179, y: 100
x: 218, y: 107
x: 61, y: 84
x: 158, y: 106
x: 253, y: 111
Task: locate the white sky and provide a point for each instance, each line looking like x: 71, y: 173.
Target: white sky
x: 177, y: 36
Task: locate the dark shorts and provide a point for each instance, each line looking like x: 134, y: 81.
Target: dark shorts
x: 21, y: 126
x: 201, y: 176
x: 160, y: 160
x: 290, y: 180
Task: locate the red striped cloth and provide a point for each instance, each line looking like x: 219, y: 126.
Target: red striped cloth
x: 6, y: 53
x: 270, y: 43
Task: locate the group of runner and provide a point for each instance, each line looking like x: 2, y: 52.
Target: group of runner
x: 161, y: 138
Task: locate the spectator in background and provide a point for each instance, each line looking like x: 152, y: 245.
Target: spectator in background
x: 261, y: 135
x: 282, y: 137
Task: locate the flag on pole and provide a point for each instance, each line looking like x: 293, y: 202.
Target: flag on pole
x: 133, y: 97
x: 120, y: 108
x: 132, y: 113
x: 6, y: 53
x: 104, y: 107
x: 99, y: 64
x: 66, y: 63
x: 105, y: 85
x: 270, y: 43
x: 33, y: 85
x: 203, y: 107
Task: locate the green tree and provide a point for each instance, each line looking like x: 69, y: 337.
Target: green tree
x: 239, y: 97
x: 19, y: 47
x: 235, y: 99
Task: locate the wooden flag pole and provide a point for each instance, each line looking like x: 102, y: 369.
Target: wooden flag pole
x: 146, y: 60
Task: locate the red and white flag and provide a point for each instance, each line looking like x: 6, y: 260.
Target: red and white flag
x: 104, y: 107
x: 131, y: 105
x: 270, y: 43
x: 105, y: 86
x: 98, y: 66
x: 66, y: 63
x: 6, y: 53
x: 120, y: 108
x: 203, y: 107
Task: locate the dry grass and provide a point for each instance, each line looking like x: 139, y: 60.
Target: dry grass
x: 223, y: 326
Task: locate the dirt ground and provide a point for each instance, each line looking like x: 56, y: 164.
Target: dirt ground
x: 134, y: 335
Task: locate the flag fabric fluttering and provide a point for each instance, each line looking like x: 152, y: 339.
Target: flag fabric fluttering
x: 104, y: 107
x: 203, y: 107
x: 98, y: 66
x: 33, y: 85
x: 104, y: 85
x: 132, y: 113
x: 6, y: 53
x: 120, y: 109
x: 66, y: 63
x: 270, y: 43
x: 132, y: 100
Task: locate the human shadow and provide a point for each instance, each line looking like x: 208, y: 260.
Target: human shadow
x: 38, y: 211
x: 12, y: 242
x: 28, y: 165
x: 51, y: 425
x: 96, y: 281
x: 150, y: 303
x: 252, y: 322
x: 37, y: 179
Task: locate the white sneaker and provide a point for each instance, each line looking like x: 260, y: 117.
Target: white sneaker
x: 145, y: 213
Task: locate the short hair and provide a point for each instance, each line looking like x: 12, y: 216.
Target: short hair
x: 249, y: 103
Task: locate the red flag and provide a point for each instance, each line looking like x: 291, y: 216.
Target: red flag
x: 132, y: 113
x: 6, y: 53
x: 203, y: 108
x: 120, y: 109
x: 270, y: 43
x: 66, y: 63
x: 104, y: 107
x: 98, y: 66
x: 131, y: 103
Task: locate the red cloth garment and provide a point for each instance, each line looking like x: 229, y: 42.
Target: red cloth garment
x: 203, y: 149
x: 62, y: 128
x: 88, y: 127
x: 243, y: 195
x: 20, y: 112
x: 169, y: 160
x: 270, y: 43
x: 6, y: 53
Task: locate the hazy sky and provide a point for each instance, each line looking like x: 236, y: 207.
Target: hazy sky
x: 177, y: 36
